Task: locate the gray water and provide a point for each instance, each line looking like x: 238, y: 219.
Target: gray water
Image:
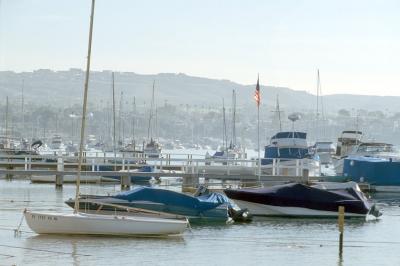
x: 265, y: 241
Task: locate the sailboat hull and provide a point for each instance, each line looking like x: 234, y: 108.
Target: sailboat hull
x: 91, y: 224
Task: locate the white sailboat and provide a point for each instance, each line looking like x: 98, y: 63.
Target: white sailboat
x: 96, y: 224
x: 101, y: 224
x: 152, y: 148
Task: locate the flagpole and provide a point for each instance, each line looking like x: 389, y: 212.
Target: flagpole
x: 258, y: 144
x: 257, y: 98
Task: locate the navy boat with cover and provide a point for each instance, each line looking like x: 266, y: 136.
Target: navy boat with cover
x: 297, y: 199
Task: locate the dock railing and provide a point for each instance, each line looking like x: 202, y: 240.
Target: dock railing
x: 166, y: 164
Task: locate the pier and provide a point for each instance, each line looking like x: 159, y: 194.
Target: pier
x: 167, y: 165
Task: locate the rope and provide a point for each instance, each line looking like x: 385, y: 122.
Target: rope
x: 44, y: 250
x: 17, y: 232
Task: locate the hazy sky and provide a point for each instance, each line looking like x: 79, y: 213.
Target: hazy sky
x: 354, y: 43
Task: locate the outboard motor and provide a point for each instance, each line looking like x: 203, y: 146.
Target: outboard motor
x: 201, y: 190
x: 374, y: 211
x: 36, y: 144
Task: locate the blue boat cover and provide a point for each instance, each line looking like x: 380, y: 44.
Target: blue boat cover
x: 373, y: 170
x: 299, y: 195
x: 172, y: 198
x: 218, y: 154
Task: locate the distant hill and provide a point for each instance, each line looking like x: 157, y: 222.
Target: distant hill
x: 65, y: 88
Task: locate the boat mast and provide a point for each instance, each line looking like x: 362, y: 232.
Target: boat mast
x: 279, y: 112
x: 133, y: 121
x: 224, y: 135
x: 149, y: 129
x: 317, y: 114
x: 85, y: 93
x: 114, y: 121
x: 156, y: 123
x: 121, y: 120
x: 233, y: 119
x: 7, y: 141
x: 22, y: 108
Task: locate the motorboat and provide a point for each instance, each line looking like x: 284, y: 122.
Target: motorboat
x: 356, y: 148
x: 56, y: 142
x: 287, y: 149
x: 324, y: 150
x: 209, y: 207
x: 300, y: 200
x: 348, y: 140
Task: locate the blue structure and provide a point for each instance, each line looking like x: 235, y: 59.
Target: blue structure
x: 372, y: 170
x: 286, y: 145
x: 134, y: 179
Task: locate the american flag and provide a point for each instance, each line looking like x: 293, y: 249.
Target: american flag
x: 257, y: 95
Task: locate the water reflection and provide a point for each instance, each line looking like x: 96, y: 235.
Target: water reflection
x: 77, y: 249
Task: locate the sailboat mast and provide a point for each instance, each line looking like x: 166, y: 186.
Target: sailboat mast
x: 278, y: 110
x: 133, y: 120
x: 225, y: 141
x: 121, y: 127
x: 114, y: 120
x: 322, y: 106
x: 156, y: 124
x: 7, y: 141
x: 233, y: 118
x: 317, y: 114
x: 22, y: 108
x: 85, y: 93
x: 149, y: 130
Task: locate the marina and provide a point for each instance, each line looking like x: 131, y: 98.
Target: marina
x: 114, y: 167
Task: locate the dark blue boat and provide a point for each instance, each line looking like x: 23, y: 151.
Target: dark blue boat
x: 134, y: 179
x: 383, y: 174
x: 299, y: 200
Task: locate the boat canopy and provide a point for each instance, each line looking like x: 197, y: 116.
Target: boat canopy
x: 291, y: 134
x: 172, y: 198
x: 375, y: 147
x: 299, y: 195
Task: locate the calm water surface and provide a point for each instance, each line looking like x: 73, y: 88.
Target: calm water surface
x: 265, y: 241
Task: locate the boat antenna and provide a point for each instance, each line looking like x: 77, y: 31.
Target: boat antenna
x: 85, y: 93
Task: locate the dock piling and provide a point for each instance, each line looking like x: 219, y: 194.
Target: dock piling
x: 125, y: 182
x: 60, y: 168
x: 341, y: 228
x: 189, y: 183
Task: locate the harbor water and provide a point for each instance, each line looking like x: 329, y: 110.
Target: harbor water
x: 265, y: 241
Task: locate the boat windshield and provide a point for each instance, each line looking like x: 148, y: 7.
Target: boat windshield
x: 375, y: 147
